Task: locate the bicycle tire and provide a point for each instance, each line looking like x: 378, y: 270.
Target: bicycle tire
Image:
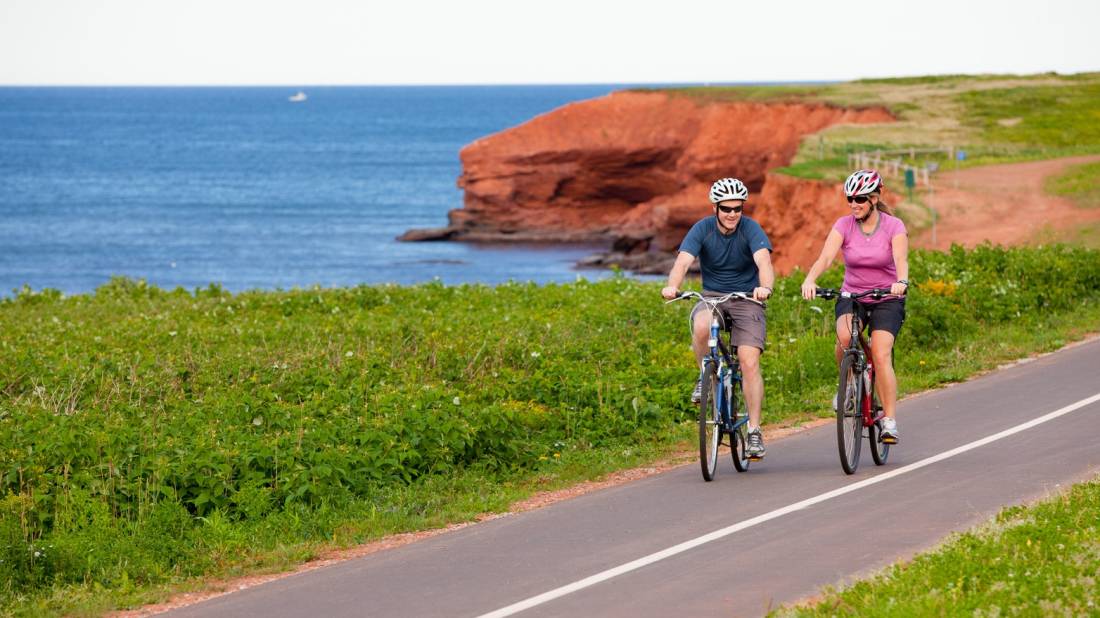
x: 739, y: 438
x: 710, y: 424
x: 849, y: 419
x: 880, y: 451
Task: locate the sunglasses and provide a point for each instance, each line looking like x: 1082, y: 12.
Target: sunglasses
x: 729, y: 209
x: 859, y: 199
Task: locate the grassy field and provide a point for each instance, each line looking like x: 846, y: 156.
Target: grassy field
x: 1041, y: 560
x: 994, y: 118
x: 1080, y: 183
x: 151, y: 438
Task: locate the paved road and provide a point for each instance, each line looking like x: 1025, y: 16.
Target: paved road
x: 783, y: 557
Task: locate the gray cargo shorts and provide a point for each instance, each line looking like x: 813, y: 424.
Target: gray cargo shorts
x: 748, y: 327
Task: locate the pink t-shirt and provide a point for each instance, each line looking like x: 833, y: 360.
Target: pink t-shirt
x: 868, y: 258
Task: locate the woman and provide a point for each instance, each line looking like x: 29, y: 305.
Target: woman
x: 876, y: 255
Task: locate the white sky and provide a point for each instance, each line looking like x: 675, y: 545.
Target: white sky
x: 523, y: 42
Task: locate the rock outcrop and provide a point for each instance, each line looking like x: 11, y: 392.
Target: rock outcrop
x: 634, y: 169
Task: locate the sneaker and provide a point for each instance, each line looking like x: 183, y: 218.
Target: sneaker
x: 755, y: 449
x: 697, y: 394
x: 889, y: 431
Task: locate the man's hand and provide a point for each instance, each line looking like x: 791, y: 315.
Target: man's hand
x: 669, y: 292
x: 762, y: 293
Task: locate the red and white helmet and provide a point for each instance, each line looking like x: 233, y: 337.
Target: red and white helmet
x: 862, y: 182
x: 728, y: 189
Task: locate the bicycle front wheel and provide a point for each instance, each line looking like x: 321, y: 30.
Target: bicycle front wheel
x: 849, y: 419
x: 739, y: 437
x: 710, y: 424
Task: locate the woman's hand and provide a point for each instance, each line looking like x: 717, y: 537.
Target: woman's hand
x: 899, y: 288
x: 809, y: 289
x: 670, y: 292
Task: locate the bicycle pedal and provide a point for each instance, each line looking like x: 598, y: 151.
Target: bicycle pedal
x: 755, y: 458
x: 889, y: 440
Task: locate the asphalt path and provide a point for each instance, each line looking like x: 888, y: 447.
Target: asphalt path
x: 777, y: 533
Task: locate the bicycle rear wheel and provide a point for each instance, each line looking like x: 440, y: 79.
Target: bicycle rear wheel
x: 739, y: 437
x: 710, y: 424
x: 849, y: 420
x: 880, y: 450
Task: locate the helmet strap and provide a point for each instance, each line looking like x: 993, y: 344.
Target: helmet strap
x: 721, y: 228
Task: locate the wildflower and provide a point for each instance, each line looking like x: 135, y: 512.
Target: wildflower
x: 349, y: 354
x: 456, y: 401
x: 535, y: 355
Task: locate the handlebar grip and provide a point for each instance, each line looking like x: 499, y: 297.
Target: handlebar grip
x: 826, y: 293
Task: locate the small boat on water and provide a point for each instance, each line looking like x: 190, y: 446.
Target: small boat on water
x: 297, y: 98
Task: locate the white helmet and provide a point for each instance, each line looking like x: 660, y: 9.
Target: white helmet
x: 862, y: 182
x: 728, y: 189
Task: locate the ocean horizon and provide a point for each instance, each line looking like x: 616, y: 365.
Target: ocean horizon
x: 185, y: 186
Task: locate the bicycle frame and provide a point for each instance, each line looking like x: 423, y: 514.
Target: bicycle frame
x: 860, y: 349
x: 724, y: 357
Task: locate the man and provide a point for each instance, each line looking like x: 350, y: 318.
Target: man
x: 735, y: 256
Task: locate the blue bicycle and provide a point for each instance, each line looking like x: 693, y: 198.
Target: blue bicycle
x: 720, y: 410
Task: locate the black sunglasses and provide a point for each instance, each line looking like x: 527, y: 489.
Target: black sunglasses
x: 859, y: 199
x: 729, y: 209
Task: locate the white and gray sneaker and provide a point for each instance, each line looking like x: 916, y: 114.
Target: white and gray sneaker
x: 697, y: 394
x: 755, y: 448
x: 889, y: 431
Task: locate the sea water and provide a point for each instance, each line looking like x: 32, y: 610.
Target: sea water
x: 244, y: 188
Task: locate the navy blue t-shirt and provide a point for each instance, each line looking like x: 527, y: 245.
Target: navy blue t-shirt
x: 726, y: 261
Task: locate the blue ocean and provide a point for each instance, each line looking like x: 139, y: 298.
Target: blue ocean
x: 244, y: 188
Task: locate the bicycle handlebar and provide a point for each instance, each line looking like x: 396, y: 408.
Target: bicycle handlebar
x: 830, y: 293
x: 714, y: 301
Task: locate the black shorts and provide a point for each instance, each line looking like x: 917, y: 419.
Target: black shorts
x: 887, y: 315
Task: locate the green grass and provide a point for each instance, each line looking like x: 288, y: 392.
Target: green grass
x: 994, y: 118
x: 1063, y: 119
x: 1080, y: 183
x: 1041, y: 560
x: 152, y: 438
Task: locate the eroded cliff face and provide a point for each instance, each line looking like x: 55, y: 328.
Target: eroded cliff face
x: 635, y: 168
x: 797, y: 214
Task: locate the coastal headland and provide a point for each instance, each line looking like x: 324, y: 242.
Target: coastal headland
x: 631, y: 170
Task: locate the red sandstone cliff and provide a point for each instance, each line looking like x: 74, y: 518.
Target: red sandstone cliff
x: 638, y: 166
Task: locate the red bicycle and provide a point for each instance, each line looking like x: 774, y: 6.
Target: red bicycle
x: 857, y: 406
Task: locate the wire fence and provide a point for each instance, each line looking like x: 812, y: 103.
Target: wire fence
x: 892, y: 163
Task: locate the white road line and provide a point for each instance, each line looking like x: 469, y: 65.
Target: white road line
x: 759, y: 519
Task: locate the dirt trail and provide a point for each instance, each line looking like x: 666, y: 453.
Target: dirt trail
x: 1004, y: 204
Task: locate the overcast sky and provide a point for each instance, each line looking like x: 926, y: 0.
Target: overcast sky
x: 308, y: 42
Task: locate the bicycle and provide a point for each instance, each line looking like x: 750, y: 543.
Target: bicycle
x: 857, y: 405
x: 720, y: 410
